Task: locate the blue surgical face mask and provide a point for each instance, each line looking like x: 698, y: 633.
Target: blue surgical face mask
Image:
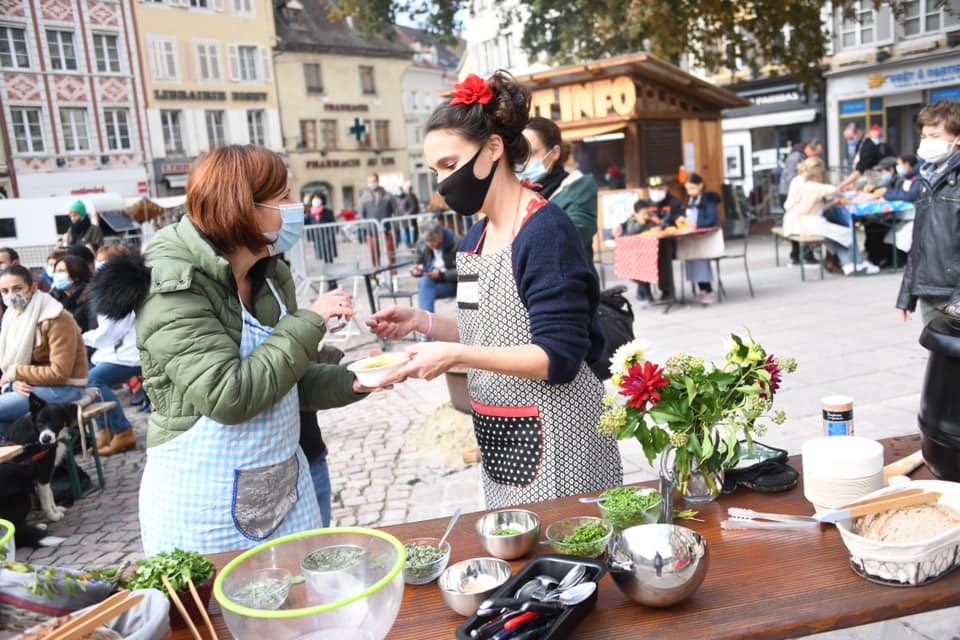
x: 291, y: 227
x: 901, y: 171
x: 887, y: 178
x: 532, y: 171
x: 61, y: 281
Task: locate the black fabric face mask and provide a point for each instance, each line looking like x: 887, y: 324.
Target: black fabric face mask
x: 463, y: 191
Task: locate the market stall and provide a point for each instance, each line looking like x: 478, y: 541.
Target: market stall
x: 802, y: 578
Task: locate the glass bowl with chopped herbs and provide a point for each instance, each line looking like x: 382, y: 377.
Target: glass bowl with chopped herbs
x: 584, y: 536
x: 426, y: 560
x: 627, y: 507
x: 264, y: 589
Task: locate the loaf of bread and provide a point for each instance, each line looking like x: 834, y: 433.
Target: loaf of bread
x: 908, y: 524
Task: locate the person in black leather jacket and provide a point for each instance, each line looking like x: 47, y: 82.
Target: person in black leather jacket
x: 932, y: 274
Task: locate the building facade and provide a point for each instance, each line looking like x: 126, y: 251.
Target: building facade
x: 72, y: 100
x: 341, y: 105
x: 489, y: 45
x: 757, y: 139
x: 434, y: 71
x: 208, y: 77
x: 885, y: 69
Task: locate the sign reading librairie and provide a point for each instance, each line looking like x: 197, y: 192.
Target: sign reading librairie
x: 209, y: 96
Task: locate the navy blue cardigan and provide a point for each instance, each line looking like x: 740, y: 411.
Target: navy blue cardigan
x: 558, y: 288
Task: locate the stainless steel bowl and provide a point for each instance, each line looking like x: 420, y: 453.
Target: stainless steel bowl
x: 466, y: 584
x: 658, y: 565
x: 512, y: 546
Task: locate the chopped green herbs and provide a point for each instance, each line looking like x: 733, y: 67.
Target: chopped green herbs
x: 588, y: 540
x: 265, y: 594
x: 422, y: 562
x: 626, y: 507
x: 333, y: 558
x: 507, y: 532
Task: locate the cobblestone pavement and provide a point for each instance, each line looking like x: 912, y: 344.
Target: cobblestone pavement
x: 395, y: 456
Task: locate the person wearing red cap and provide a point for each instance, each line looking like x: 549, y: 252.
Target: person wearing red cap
x: 870, y: 151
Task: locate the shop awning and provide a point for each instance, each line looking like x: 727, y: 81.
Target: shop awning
x: 176, y: 180
x: 143, y: 209
x: 781, y: 119
x: 118, y: 221
x: 579, y: 133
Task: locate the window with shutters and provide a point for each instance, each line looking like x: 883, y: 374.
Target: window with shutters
x: 13, y: 48
x: 328, y: 134
x: 216, y: 132
x: 869, y: 26
x: 199, y: 4
x: 367, y: 84
x: 164, y: 64
x: 255, y: 127
x: 243, y: 8
x: 312, y: 78
x: 117, y: 123
x: 73, y: 125
x: 27, y: 132
x: 247, y: 60
x: 922, y: 17
x: 106, y: 53
x: 63, y: 56
x: 381, y: 129
x: 207, y: 55
x: 170, y: 125
x: 250, y: 63
x: 308, y: 134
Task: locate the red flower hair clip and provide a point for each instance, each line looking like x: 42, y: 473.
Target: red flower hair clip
x: 473, y: 89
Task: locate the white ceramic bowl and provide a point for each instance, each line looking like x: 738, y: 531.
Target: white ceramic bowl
x: 911, y: 563
x: 370, y: 371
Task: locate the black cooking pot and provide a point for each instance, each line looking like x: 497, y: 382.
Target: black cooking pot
x: 939, y: 417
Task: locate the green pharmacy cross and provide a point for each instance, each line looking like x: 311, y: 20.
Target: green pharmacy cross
x: 359, y: 130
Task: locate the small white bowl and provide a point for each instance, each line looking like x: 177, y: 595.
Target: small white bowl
x: 371, y: 371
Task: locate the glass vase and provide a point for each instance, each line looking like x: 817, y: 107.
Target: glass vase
x: 695, y: 487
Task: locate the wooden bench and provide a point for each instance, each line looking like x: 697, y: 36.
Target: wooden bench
x: 802, y: 240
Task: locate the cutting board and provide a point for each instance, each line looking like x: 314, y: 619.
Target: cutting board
x: 9, y: 453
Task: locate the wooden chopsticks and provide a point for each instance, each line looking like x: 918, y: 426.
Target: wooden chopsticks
x: 175, y: 599
x: 203, y: 610
x: 887, y: 496
x: 107, y: 610
x: 876, y: 506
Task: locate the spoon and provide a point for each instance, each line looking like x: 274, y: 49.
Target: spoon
x: 573, y: 577
x: 536, y: 587
x: 453, y: 521
x: 594, y: 500
x: 575, y: 595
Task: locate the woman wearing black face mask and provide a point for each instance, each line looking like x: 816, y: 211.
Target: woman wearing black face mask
x: 526, y: 309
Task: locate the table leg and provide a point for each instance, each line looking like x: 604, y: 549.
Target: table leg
x: 853, y: 242
x: 893, y: 240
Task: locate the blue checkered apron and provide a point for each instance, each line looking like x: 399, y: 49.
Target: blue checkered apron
x: 189, y: 492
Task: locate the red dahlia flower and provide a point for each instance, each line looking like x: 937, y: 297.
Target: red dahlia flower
x: 775, y: 377
x: 641, y: 384
x: 473, y: 89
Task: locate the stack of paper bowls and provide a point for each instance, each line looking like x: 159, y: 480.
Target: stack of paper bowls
x: 838, y: 470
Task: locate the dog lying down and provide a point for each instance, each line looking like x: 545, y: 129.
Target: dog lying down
x: 43, y: 432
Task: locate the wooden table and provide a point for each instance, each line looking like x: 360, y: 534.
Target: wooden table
x: 760, y: 584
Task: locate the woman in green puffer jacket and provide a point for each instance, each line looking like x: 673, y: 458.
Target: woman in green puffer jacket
x: 228, y: 363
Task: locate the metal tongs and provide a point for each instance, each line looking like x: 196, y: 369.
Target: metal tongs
x: 750, y: 519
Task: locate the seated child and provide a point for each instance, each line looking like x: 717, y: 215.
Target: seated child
x: 640, y: 221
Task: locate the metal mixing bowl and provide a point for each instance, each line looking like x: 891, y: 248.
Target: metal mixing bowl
x: 513, y: 546
x: 658, y: 565
x: 466, y: 584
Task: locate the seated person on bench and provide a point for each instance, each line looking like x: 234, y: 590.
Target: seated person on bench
x: 435, y: 264
x: 639, y: 222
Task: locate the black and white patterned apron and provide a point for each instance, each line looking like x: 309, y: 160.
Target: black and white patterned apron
x: 537, y: 441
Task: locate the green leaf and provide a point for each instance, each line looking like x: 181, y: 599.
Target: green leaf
x: 691, y: 390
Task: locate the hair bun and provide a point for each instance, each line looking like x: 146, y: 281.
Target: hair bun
x: 511, y: 102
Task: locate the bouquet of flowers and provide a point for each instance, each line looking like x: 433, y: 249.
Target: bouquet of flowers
x: 701, y: 411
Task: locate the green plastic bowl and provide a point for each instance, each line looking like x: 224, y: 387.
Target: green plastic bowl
x: 6, y: 539
x: 363, y: 604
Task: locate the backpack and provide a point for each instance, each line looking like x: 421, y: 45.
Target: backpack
x: 615, y: 316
